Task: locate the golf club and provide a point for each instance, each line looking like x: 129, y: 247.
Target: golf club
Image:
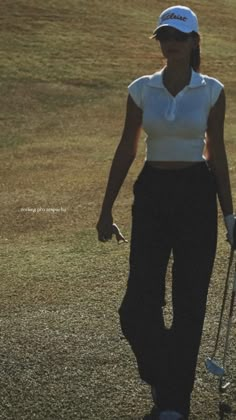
x: 212, y: 366
x: 230, y: 320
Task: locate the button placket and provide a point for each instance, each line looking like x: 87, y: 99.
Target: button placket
x: 171, y: 110
x: 172, y: 106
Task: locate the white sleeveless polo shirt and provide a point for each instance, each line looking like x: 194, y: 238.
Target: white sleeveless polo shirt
x: 175, y: 126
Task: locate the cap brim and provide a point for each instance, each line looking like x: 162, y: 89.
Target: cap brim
x: 175, y: 26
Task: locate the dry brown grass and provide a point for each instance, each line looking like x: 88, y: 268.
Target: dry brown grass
x: 64, y: 70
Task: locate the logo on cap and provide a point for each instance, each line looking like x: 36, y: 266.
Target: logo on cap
x: 168, y: 16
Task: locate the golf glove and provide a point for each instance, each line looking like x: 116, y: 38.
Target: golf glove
x: 119, y: 237
x: 231, y: 229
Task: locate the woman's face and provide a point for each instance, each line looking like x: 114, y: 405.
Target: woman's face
x: 176, y: 44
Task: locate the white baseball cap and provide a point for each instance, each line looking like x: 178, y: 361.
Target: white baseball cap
x: 178, y: 17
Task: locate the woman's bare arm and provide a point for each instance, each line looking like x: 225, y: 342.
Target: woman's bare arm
x: 216, y: 154
x: 123, y: 158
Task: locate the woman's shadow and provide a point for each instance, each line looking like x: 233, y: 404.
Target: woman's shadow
x: 225, y: 411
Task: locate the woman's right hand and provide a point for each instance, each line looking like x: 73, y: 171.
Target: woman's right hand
x: 104, y: 227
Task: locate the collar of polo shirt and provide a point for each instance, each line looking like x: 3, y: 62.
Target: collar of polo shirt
x: 197, y: 80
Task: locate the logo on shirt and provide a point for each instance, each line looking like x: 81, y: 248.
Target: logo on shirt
x: 168, y: 16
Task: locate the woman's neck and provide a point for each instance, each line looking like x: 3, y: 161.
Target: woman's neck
x: 175, y: 78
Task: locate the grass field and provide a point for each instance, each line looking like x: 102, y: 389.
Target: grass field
x: 64, y: 71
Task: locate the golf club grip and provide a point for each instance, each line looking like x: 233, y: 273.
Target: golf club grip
x: 234, y: 244
x: 232, y: 303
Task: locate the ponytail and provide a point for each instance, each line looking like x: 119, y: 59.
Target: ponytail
x: 195, y: 59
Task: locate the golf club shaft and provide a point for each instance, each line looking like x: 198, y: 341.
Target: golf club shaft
x: 232, y: 302
x: 224, y: 300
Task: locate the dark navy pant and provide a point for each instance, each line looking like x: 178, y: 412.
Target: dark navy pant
x: 173, y: 211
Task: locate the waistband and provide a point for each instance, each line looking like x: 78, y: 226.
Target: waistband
x: 194, y: 168
x: 193, y: 178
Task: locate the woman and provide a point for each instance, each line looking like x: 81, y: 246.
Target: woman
x: 174, y: 210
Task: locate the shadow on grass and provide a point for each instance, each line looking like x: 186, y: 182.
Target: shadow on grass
x: 224, y: 410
